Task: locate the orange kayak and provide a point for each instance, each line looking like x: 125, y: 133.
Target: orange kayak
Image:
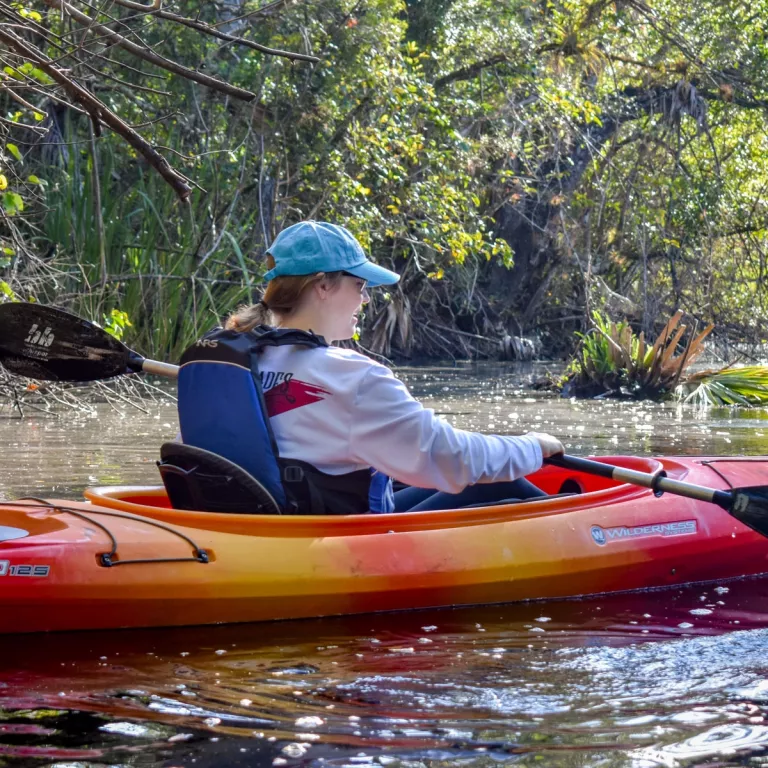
x: 124, y: 558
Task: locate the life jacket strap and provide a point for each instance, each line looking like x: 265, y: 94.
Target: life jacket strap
x: 313, y: 492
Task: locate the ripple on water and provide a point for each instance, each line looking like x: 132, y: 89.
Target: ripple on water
x: 483, y: 689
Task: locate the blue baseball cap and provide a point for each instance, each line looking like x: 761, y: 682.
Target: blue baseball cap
x: 317, y: 246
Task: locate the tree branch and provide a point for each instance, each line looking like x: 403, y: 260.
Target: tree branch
x: 99, y: 111
x: 149, y: 55
x: 467, y: 73
x: 740, y: 101
x: 209, y: 29
x: 264, y: 12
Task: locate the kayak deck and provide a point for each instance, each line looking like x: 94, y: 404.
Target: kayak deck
x: 171, y: 567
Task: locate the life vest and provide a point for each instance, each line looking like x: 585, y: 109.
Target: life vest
x: 222, y: 410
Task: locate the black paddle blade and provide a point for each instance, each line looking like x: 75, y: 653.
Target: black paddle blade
x: 53, y: 345
x: 750, y: 506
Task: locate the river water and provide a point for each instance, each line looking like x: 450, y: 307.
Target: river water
x: 664, y: 678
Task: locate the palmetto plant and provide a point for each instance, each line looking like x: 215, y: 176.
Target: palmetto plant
x: 613, y: 359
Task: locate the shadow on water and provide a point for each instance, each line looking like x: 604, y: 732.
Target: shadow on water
x: 667, y: 678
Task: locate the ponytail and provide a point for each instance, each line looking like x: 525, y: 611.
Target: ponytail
x: 281, y: 298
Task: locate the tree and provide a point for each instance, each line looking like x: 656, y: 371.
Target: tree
x: 521, y: 164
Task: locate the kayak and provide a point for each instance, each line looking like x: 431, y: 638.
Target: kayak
x: 125, y: 558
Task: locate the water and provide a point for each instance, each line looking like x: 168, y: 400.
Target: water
x: 660, y: 678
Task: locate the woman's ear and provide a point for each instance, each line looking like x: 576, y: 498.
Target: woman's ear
x: 324, y: 288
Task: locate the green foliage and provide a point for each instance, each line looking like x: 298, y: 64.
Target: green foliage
x: 745, y: 386
x: 154, y: 272
x: 7, y: 291
x: 115, y: 323
x: 564, y: 139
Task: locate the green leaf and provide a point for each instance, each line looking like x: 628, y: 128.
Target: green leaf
x: 241, y: 260
x: 12, y: 203
x: 14, y: 150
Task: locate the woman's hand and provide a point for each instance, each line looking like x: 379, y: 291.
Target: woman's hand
x: 549, y: 445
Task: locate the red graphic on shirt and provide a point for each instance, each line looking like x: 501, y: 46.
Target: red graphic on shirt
x: 292, y: 394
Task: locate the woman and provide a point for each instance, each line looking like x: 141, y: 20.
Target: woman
x: 342, y: 412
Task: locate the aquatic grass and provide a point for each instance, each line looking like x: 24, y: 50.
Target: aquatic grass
x: 152, y: 268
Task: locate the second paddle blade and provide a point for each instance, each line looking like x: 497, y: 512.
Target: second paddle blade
x: 50, y: 344
x: 750, y: 506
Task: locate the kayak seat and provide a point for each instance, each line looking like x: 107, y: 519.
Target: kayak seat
x: 199, y: 480
x: 571, y: 485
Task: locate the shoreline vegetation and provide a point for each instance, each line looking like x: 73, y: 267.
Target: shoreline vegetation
x: 612, y: 361
x: 526, y: 167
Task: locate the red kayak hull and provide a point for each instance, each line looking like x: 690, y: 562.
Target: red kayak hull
x: 167, y: 567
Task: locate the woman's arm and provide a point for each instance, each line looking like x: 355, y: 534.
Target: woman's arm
x: 396, y: 434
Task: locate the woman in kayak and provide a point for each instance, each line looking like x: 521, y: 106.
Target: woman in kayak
x: 342, y: 412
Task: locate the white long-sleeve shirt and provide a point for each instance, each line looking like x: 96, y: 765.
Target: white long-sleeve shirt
x: 341, y: 411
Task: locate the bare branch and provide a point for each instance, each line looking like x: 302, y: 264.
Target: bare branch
x: 151, y: 56
x: 99, y: 111
x: 211, y: 30
x: 155, y: 5
x: 15, y: 96
x: 467, y: 73
x: 741, y: 101
x: 53, y: 97
x: 270, y: 9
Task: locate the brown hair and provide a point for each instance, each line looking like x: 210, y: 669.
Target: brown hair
x: 281, y: 297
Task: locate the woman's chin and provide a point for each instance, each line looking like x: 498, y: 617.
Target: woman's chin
x: 346, y: 334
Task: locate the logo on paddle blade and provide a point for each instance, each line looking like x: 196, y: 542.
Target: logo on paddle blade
x: 603, y: 536
x: 40, y: 338
x: 38, y: 341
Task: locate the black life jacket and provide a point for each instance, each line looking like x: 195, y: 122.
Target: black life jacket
x: 222, y: 410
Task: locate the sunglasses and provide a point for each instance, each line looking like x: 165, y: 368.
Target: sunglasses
x: 357, y: 277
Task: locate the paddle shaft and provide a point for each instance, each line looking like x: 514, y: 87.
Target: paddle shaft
x: 140, y: 364
x: 656, y: 482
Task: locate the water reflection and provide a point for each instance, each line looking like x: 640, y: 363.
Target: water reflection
x: 662, y: 678
x: 568, y: 682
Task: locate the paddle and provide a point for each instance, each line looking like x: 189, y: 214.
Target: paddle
x: 747, y: 505
x: 50, y: 344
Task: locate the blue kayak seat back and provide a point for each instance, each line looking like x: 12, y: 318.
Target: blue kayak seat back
x: 221, y: 402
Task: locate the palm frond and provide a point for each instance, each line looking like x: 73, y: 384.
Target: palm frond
x: 746, y: 386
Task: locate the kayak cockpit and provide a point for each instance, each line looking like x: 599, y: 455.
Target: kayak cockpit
x: 568, y: 491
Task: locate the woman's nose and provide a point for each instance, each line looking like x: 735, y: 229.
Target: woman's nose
x: 366, y: 296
